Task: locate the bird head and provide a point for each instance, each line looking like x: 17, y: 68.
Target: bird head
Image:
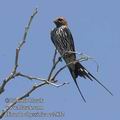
x: 60, y: 21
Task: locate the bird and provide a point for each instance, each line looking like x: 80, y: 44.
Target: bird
x: 62, y: 39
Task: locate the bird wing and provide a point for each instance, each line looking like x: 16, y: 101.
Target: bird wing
x: 63, y: 41
x: 69, y: 38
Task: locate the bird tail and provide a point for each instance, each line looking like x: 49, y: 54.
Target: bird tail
x: 79, y: 90
x: 83, y: 72
x: 74, y: 78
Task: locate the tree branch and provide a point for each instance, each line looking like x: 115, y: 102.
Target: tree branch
x: 13, y: 73
x: 54, y: 57
x: 27, y: 94
x: 62, y: 68
x: 51, y: 79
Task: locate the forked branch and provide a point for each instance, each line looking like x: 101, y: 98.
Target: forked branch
x: 14, y: 71
x: 50, y: 80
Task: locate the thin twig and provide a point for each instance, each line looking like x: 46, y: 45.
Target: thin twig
x: 13, y: 73
x: 53, y: 68
x: 20, y: 98
x: 62, y: 68
x: 84, y: 55
x: 40, y: 79
x: 54, y: 57
x: 30, y: 77
x: 27, y: 94
x: 59, y: 59
x: 55, y: 64
x: 49, y: 81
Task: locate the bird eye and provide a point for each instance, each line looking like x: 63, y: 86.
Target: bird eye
x: 60, y: 19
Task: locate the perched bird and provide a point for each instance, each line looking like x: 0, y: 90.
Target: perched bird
x: 62, y: 39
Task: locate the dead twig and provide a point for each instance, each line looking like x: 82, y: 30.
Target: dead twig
x: 51, y: 80
x: 14, y: 71
x: 82, y: 55
x: 62, y: 68
x: 41, y: 79
x: 54, y: 57
x: 27, y: 94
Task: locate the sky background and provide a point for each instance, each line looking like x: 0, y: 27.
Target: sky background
x: 95, y: 25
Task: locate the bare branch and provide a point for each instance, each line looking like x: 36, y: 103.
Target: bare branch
x: 55, y: 64
x: 82, y: 58
x: 49, y: 81
x: 23, y: 40
x: 30, y: 77
x: 40, y: 79
x: 62, y: 68
x: 60, y: 85
x: 13, y: 73
x: 54, y: 57
x: 20, y: 98
x: 82, y: 55
x: 53, y: 68
x: 27, y: 94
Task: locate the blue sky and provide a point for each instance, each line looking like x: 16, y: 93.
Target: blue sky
x: 95, y: 25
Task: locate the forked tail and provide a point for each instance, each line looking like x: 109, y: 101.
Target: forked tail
x: 79, y: 90
x: 82, y: 72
